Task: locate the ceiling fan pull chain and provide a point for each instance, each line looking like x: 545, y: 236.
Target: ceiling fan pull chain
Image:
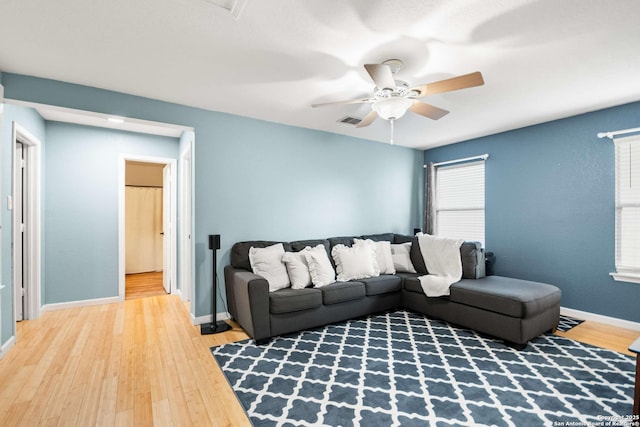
x: 391, y: 139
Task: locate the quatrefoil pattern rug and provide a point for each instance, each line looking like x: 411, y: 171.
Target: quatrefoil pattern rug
x: 402, y: 369
x: 566, y: 323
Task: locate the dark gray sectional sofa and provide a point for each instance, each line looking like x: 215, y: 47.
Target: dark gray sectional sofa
x: 511, y: 309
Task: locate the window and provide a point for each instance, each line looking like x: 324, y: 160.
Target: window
x: 459, y: 201
x: 627, y: 209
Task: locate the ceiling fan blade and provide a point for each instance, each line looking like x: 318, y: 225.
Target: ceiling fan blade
x: 349, y: 101
x: 368, y: 119
x: 381, y: 75
x: 428, y: 110
x: 448, y: 85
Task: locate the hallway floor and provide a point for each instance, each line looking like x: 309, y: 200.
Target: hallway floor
x: 143, y: 285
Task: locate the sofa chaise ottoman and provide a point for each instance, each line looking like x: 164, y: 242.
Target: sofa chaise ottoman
x: 512, y: 309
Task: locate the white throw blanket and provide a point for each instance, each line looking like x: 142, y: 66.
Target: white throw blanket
x: 442, y: 258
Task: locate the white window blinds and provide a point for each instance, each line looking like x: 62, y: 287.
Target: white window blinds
x: 459, y: 201
x: 628, y: 206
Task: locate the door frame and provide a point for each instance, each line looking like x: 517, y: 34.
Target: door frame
x: 186, y: 221
x: 13, y: 330
x: 168, y: 218
x: 32, y: 230
x: 170, y: 269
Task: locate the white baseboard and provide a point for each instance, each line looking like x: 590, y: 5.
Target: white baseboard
x: 81, y: 303
x: 613, y: 321
x: 585, y: 315
x: 207, y: 319
x: 7, y: 346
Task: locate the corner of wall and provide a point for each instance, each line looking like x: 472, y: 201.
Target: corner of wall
x: 4, y: 348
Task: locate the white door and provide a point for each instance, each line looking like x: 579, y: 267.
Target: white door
x: 167, y: 220
x: 18, y: 231
x: 25, y: 206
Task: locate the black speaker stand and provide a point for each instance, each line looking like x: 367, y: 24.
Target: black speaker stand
x: 215, y: 327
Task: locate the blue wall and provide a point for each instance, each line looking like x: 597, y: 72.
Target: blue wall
x: 286, y: 183
x: 35, y: 125
x: 81, y: 207
x: 550, y: 207
x: 261, y: 180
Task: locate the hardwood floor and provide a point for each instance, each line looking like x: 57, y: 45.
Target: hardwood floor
x: 143, y: 285
x: 140, y: 363
x: 137, y: 363
x: 601, y: 335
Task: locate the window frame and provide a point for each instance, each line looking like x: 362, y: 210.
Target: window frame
x: 472, y: 207
x: 625, y: 273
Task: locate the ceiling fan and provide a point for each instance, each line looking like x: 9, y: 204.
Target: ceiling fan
x: 392, y: 98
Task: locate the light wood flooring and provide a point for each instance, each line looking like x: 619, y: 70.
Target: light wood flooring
x: 143, y: 285
x: 602, y: 335
x: 140, y: 363
x: 136, y: 363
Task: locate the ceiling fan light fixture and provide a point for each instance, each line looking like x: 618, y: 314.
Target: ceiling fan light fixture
x: 392, y: 108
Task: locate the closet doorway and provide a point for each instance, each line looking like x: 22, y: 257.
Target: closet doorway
x: 26, y: 242
x: 148, y: 220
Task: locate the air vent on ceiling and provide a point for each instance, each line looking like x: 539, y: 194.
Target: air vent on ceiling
x: 350, y: 120
x: 235, y: 7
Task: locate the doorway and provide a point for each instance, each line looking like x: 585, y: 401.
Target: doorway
x: 26, y: 240
x: 147, y: 227
x: 144, y: 229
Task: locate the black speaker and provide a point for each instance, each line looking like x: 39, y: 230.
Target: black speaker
x: 214, y: 327
x: 214, y: 241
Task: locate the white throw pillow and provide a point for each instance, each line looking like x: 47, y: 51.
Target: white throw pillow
x: 401, y: 254
x: 384, y: 259
x: 267, y: 262
x: 356, y: 262
x: 320, y: 268
x: 298, y: 269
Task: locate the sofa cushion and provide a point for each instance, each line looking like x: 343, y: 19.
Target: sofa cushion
x: 240, y: 252
x: 472, y: 257
x: 386, y: 237
x: 411, y: 283
x: 345, y: 240
x: 342, y: 291
x: 290, y: 300
x: 299, y: 245
x: 513, y: 297
x: 382, y: 284
x: 415, y: 254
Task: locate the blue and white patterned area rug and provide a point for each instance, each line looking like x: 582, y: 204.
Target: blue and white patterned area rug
x: 402, y: 369
x: 566, y: 323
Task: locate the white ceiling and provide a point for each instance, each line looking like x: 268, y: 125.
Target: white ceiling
x: 541, y: 60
